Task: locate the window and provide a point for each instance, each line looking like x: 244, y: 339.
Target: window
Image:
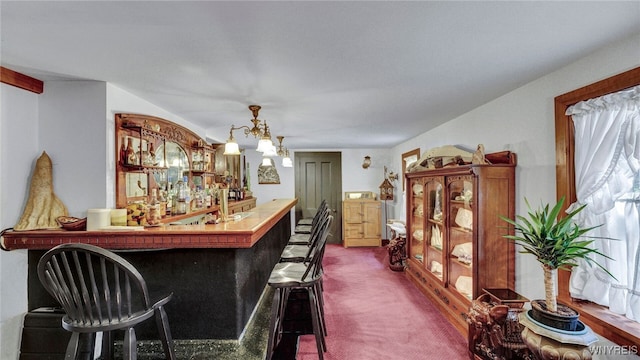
x: 615, y: 327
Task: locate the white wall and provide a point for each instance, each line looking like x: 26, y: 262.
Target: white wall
x: 71, y: 115
x: 523, y: 121
x: 18, y: 151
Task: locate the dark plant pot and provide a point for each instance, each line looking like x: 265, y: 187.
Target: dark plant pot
x: 564, y: 319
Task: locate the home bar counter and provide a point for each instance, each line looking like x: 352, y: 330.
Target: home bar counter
x: 216, y: 272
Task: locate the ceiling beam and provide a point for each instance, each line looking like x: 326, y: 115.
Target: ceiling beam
x: 22, y: 81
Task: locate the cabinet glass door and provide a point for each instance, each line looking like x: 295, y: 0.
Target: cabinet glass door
x: 461, y: 215
x: 434, y: 230
x: 416, y: 232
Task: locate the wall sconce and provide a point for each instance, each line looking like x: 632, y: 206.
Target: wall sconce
x: 367, y: 162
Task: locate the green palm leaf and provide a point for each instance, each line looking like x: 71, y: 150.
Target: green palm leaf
x: 556, y: 243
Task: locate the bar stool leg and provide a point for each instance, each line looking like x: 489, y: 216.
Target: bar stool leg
x: 323, y: 323
x: 274, y: 323
x: 320, y: 342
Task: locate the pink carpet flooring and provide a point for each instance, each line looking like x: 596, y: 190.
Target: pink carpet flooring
x: 373, y: 313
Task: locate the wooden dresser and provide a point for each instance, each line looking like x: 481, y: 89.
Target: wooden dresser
x: 361, y: 222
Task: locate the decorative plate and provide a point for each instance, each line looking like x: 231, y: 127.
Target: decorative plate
x: 417, y: 189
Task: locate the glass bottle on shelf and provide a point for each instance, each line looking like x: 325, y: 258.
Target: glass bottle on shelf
x: 163, y: 203
x: 123, y: 152
x: 208, y: 198
x: 188, y: 195
x: 149, y: 157
x: 130, y: 154
x: 232, y: 193
x: 207, y: 161
x: 199, y: 198
x: 180, y: 206
x: 153, y: 209
x: 170, y: 199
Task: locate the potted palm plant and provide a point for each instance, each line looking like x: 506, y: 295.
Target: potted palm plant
x: 556, y: 244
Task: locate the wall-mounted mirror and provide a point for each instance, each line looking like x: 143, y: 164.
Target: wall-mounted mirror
x: 407, y: 159
x: 177, y: 164
x: 228, y: 166
x: 168, y: 152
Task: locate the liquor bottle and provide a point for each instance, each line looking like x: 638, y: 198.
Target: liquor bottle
x: 123, y: 153
x: 189, y: 196
x: 170, y: 199
x: 199, y: 198
x: 163, y: 203
x: 153, y: 210
x: 208, y: 198
x: 181, y: 197
x: 131, y: 158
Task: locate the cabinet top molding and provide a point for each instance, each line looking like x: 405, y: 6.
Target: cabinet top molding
x: 500, y: 159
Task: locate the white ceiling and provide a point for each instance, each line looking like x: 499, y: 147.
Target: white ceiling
x: 328, y: 74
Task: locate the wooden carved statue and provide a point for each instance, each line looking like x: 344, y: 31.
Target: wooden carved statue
x: 494, y: 331
x: 43, y: 206
x: 396, y: 247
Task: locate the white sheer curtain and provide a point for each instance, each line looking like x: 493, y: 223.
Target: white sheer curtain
x: 607, y: 163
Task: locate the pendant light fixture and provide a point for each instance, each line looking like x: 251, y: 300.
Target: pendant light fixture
x: 231, y: 147
x: 284, y: 153
x: 286, y: 160
x: 260, y: 130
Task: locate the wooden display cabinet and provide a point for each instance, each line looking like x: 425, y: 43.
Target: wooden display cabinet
x: 455, y: 235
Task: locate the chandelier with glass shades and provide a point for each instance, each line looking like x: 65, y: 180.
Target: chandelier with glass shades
x: 259, y: 130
